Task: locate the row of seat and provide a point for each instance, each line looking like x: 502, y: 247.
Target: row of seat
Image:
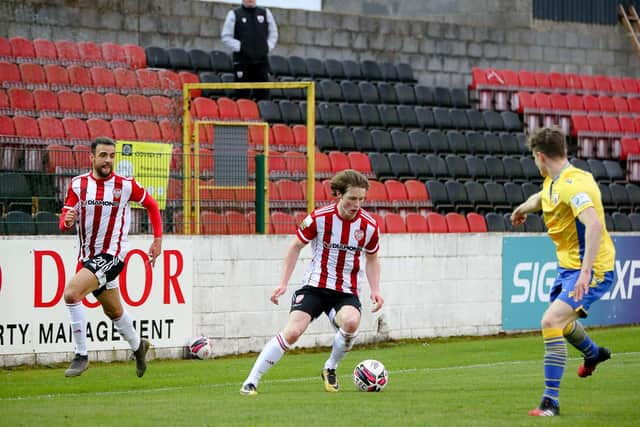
x: 419, y: 141
x: 42, y: 102
x: 497, y: 85
x: 102, y: 79
x: 564, y: 104
x: 66, y: 52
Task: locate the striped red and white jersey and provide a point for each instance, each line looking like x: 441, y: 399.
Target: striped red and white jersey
x: 337, y: 246
x: 104, y: 215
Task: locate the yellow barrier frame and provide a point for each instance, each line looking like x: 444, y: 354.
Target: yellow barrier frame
x: 188, y: 122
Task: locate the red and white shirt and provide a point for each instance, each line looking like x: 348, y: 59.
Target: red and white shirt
x: 337, y: 246
x: 104, y: 215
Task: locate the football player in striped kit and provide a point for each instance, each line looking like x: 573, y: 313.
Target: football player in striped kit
x: 339, y: 234
x: 97, y: 203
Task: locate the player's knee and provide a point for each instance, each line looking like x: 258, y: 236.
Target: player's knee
x: 112, y: 313
x: 350, y: 324
x: 71, y: 296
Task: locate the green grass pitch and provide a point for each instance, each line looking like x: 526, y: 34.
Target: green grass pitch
x: 445, y: 382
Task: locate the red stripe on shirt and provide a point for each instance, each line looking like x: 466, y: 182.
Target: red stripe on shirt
x: 84, y: 182
x: 356, y: 259
x: 117, y: 187
x: 344, y: 240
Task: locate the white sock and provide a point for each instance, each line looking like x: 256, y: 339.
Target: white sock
x: 269, y: 356
x: 78, y: 327
x: 125, y: 326
x: 342, y: 344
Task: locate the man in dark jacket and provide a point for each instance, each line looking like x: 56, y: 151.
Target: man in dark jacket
x: 251, y: 33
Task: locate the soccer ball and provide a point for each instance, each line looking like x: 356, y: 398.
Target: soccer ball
x: 370, y: 375
x: 200, y: 347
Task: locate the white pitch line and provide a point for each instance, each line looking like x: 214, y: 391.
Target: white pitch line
x: 617, y: 356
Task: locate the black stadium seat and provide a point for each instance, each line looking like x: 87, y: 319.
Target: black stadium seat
x: 370, y: 70
x: 407, y: 116
x: 477, y: 196
x: 419, y: 141
x: 442, y: 118
x: 457, y: 195
x: 381, y: 140
x: 388, y: 116
x: 329, y: 91
x: 329, y: 113
x: 634, y: 196
x: 334, y: 69
x: 476, y: 167
x: 343, y: 139
x: 581, y: 164
x: 352, y: 69
x: 442, y: 96
x: 605, y: 194
x: 438, y: 141
x: 400, y: 166
x: 405, y: 94
x: 220, y: 61
x: 350, y: 114
x: 405, y: 72
x: 279, y: 65
x: 269, y: 111
x: 620, y: 197
x: 179, y: 59
x: 459, y: 98
x: 419, y: 166
x: 389, y: 71
x: 369, y: 93
x: 529, y: 189
x: 363, y: 140
x: 438, y: 196
x: 380, y: 166
x: 424, y: 95
x: 509, y: 143
x: 457, y: 166
x: 18, y: 222
x: 457, y: 142
x: 200, y: 60
x: 369, y: 115
x: 534, y: 223
x: 400, y: 141
x: 513, y: 169
x: 459, y: 119
x: 514, y: 194
x: 315, y: 68
x: 290, y: 112
x: 512, y: 122
x: 621, y: 222
x: 437, y: 166
x: 298, y: 66
x: 157, y: 57
x: 609, y: 222
x: 493, y: 120
x: 350, y: 91
x: 387, y: 93
x: 634, y: 218
x: 476, y: 119
x: 614, y: 170
x: 477, y: 143
x: 47, y: 223
x: 425, y: 117
x: 495, y: 168
x: 324, y: 139
x: 495, y: 222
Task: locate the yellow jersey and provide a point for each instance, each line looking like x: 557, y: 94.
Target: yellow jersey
x: 563, y: 199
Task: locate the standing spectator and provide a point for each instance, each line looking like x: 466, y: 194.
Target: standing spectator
x: 339, y: 234
x: 97, y: 203
x: 571, y: 204
x: 251, y: 33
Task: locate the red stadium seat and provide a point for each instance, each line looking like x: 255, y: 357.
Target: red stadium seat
x: 542, y: 80
x: 339, y: 161
x: 102, y: 77
x: 70, y: 102
x: 602, y: 83
x: 140, y: 105
x: 627, y: 124
x: 67, y: 51
x: 75, y: 128
x: 20, y: 99
x: 319, y: 191
x: 573, y: 81
x: 277, y: 165
x: 99, y: 127
x: 396, y: 191
x: 579, y: 123
x: 228, y: 109
x: 45, y: 100
x: 629, y: 146
x: 524, y: 101
x: 416, y: 223
x: 360, y: 162
x: 123, y: 130
x: 575, y: 102
x: 51, y: 128
x: 630, y: 85
x: 248, y: 109
x: 125, y: 79
x: 147, y: 130
x: 394, y: 223
x: 557, y: 80
x: 6, y: 126
x: 205, y: 108
x: 170, y: 131
x: 527, y: 80
x: 32, y: 74
x: 9, y: 72
x: 238, y: 223
x: 436, y: 223
x: 148, y: 79
x: 611, y: 124
x: 282, y: 135
x: 326, y: 184
x: 283, y: 223
x: 380, y: 221
x: 322, y: 165
x: 56, y: 75
x: 79, y: 76
x: 22, y: 48
x: 620, y: 104
x: 187, y: 77
x: 169, y: 80
x: 93, y: 103
x: 377, y: 194
x: 588, y: 83
x: 477, y: 223
x: 596, y: 124
x: 289, y: 190
x: 296, y: 163
x: 135, y: 56
x: 112, y: 52
x: 606, y: 103
x: 26, y: 126
x: 416, y: 191
x: 456, y: 223
x: 634, y: 105
x: 81, y: 156
x: 5, y: 47
x: 117, y: 105
x: 212, y: 223
x: 59, y: 156
x: 163, y: 106
x: 616, y: 85
x: 90, y: 52
x: 300, y: 135
x: 591, y: 103
x: 4, y: 100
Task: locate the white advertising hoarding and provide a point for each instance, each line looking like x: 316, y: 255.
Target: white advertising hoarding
x: 33, y: 316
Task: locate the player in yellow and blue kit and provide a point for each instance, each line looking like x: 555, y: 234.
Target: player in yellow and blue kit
x: 572, y: 208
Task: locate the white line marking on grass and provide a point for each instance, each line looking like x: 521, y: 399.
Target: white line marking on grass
x: 284, y: 380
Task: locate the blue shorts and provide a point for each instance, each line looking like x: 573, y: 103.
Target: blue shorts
x: 565, y: 282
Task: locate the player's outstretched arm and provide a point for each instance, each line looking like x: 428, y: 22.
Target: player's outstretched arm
x: 372, y: 270
x: 532, y: 204
x: 156, y: 223
x: 290, y: 259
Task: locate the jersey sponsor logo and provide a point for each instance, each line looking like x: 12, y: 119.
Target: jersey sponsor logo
x: 342, y: 247
x: 358, y: 234
x: 580, y: 200
x: 100, y: 203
